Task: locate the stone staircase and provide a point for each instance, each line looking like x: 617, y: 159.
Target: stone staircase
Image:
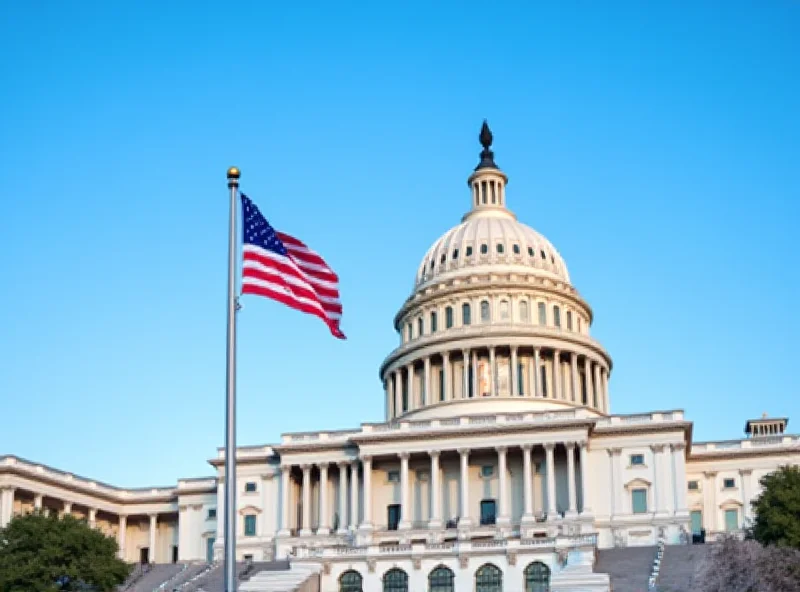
x: 628, y: 567
x: 680, y: 567
x: 300, y: 577
x: 156, y: 575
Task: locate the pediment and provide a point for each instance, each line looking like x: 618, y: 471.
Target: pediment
x: 249, y: 510
x: 637, y: 483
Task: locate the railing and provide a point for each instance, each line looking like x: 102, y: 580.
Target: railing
x: 639, y: 418
x: 745, y: 444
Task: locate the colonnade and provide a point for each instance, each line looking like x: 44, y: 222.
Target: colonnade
x: 360, y: 514
x: 497, y: 371
x: 7, y: 498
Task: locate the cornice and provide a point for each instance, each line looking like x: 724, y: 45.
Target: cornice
x: 742, y: 452
x: 641, y: 428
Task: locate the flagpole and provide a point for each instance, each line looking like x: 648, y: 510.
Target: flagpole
x: 230, y: 396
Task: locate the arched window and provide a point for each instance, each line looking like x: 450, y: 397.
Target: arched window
x: 569, y: 320
x: 485, y: 314
x: 488, y: 578
x: 542, y: 314
x: 408, y: 331
x: 350, y: 581
x: 434, y: 320
x: 448, y: 317
x: 395, y: 580
x: 504, y: 313
x: 441, y: 579
x: 466, y: 317
x: 557, y: 316
x: 537, y: 577
x: 419, y: 327
x: 523, y: 311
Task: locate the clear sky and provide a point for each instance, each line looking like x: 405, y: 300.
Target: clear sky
x: 657, y: 145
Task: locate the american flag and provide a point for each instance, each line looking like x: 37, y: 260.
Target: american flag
x: 280, y: 267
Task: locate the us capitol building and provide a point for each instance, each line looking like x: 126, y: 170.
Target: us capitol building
x: 499, y: 466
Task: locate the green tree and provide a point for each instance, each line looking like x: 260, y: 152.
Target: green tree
x: 777, y: 509
x: 41, y: 553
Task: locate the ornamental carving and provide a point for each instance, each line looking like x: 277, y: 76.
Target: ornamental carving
x: 463, y: 561
x: 512, y: 558
x: 417, y: 561
x: 371, y: 563
x: 326, y: 568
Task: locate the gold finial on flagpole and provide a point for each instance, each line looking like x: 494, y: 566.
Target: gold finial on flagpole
x: 233, y: 175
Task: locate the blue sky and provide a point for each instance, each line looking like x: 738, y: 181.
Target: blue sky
x: 655, y: 144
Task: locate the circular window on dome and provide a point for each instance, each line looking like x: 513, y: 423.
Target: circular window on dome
x: 484, y: 249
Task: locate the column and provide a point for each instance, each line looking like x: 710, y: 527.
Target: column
x: 475, y: 392
x: 576, y: 383
x: 426, y: 398
x: 6, y: 505
x: 305, y: 529
x: 37, y: 501
x: 590, y: 397
x: 573, y: 502
x: 710, y: 488
x: 552, y: 511
x: 503, y: 517
x: 436, y: 494
x: 324, y: 525
x: 744, y: 476
x: 492, y: 372
x: 387, y: 387
x: 527, y: 476
x: 514, y: 373
x: 285, y: 483
x: 405, y: 508
x: 679, y: 489
x: 354, y: 494
x: 598, y: 386
x: 584, y: 452
x: 465, y: 382
x: 531, y: 378
x: 93, y: 521
x: 67, y: 508
x: 398, y: 393
x: 446, y: 386
x: 343, y: 497
x: 366, y: 520
x: 153, y: 525
x: 412, y: 403
x: 464, y: 519
x: 667, y: 482
x: 123, y: 527
x: 537, y: 373
x: 606, y: 403
x: 613, y: 477
x: 556, y: 374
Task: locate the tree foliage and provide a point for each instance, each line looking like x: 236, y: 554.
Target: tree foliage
x: 41, y: 553
x: 747, y: 566
x: 777, y: 509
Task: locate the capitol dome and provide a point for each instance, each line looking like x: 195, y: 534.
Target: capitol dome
x: 493, y: 322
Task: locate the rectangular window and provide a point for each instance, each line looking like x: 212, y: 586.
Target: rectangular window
x: 488, y: 512
x: 694, y: 486
x: 249, y: 487
x: 542, y: 314
x: 729, y: 483
x: 637, y: 459
x: 639, y: 501
x: 441, y: 384
x: 393, y: 516
x: 250, y: 525
x: 434, y: 322
x: 448, y: 317
x: 544, y: 381
x: 521, y: 378
x: 212, y: 513
x: 697, y: 521
x: 731, y: 520
x: 557, y: 316
x: 569, y: 320
x: 487, y: 471
x: 393, y: 476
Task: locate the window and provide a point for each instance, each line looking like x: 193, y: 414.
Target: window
x: 697, y: 521
x: 469, y: 251
x: 579, y: 324
x: 466, y: 317
x: 542, y: 314
x: 210, y: 549
x: 350, y: 581
x: 500, y: 248
x: 544, y: 381
x: 537, y: 577
x: 487, y: 471
x: 441, y: 384
x: 543, y: 255
x: 448, y: 317
x: 637, y: 459
x: 504, y: 314
x: 408, y: 331
x: 485, y: 314
x: 405, y: 396
x: 729, y: 483
x: 393, y: 516
x: 395, y: 580
x: 488, y: 578
x: 212, y: 513
x: 515, y: 248
x: 694, y: 486
x: 520, y: 378
x: 441, y: 579
x: 488, y: 512
x: 455, y: 253
x: 569, y: 320
x: 530, y: 251
x: 731, y: 520
x: 523, y: 311
x: 434, y: 326
x: 443, y: 259
x: 250, y: 525
x: 419, y: 327
x: 249, y: 487
x: 556, y: 316
x: 484, y: 249
x: 393, y: 476
x: 639, y: 501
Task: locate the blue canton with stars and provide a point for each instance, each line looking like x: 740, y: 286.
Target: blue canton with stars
x: 257, y: 231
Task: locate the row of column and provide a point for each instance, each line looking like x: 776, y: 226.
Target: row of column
x: 7, y: 511
x: 669, y: 469
x: 436, y: 490
x: 596, y: 377
x: 710, y: 496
